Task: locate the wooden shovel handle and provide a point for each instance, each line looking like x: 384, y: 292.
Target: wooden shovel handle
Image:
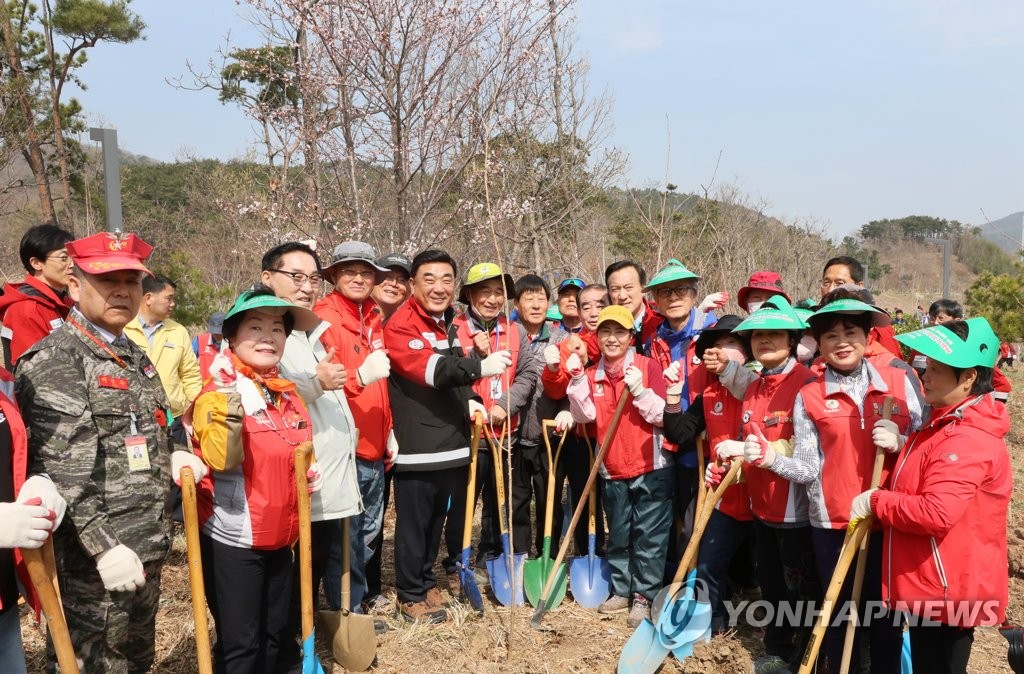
x: 195, y: 571
x: 700, y: 522
x: 549, y: 497
x: 42, y: 575
x: 303, y: 452
x: 467, y: 520
x: 702, y: 489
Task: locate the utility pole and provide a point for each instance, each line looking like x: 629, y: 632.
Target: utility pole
x: 111, y: 176
x: 947, y: 250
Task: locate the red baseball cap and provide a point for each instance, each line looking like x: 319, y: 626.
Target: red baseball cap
x: 761, y: 280
x: 105, y: 252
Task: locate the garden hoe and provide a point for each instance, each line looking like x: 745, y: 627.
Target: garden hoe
x: 536, y: 571
x: 590, y: 575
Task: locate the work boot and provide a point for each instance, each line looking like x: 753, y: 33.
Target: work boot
x: 421, y: 612
x: 435, y: 599
x: 455, y: 586
x: 641, y: 611
x: 614, y: 604
x: 771, y: 664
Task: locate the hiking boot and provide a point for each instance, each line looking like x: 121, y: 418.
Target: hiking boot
x: 771, y: 664
x: 641, y: 611
x: 614, y: 604
x: 421, y: 612
x: 379, y: 605
x: 455, y: 585
x: 435, y: 599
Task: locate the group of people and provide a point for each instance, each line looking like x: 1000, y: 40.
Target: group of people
x: 110, y: 400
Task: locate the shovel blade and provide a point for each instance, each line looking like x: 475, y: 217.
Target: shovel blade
x: 590, y: 579
x: 696, y: 624
x: 535, y: 576
x: 644, y: 652
x: 506, y: 589
x: 467, y: 578
x: 686, y: 650
x: 310, y: 663
x: 353, y: 640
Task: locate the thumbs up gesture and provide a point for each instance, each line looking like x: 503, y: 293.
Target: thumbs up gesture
x: 331, y: 375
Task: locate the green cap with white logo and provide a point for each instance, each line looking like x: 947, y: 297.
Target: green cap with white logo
x: 775, y: 314
x: 979, y: 349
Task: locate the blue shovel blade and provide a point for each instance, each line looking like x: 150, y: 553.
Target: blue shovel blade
x: 590, y: 580
x: 506, y: 588
x: 686, y: 650
x: 697, y: 625
x: 310, y: 663
x: 644, y: 652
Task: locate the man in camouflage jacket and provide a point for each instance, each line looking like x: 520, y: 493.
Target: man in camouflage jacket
x: 96, y: 415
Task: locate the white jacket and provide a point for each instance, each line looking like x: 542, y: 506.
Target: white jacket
x: 334, y: 430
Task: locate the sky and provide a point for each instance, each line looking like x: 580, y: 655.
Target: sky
x: 834, y: 113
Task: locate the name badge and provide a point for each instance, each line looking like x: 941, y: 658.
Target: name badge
x: 106, y: 381
x: 138, y: 453
x: 149, y: 371
x: 56, y: 323
x: 169, y: 345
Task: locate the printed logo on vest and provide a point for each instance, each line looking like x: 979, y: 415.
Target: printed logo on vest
x: 416, y: 344
x: 598, y: 390
x: 831, y: 405
x: 718, y: 408
x: 746, y: 416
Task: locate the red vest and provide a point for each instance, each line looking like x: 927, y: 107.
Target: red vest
x: 503, y: 337
x: 19, y: 466
x: 723, y: 418
x: 769, y: 402
x: 207, y: 352
x: 848, y: 452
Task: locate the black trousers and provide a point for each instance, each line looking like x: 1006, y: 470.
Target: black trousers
x: 422, y: 500
x: 323, y: 534
x: 529, y: 485
x: 247, y: 592
x: 373, y: 587
x: 574, y: 466
x: 941, y: 649
x: 485, y: 494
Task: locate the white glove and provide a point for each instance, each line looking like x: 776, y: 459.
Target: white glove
x: 314, y: 478
x: 713, y: 301
x: 673, y: 378
x: 727, y: 450
x: 886, y: 434
x: 564, y: 421
x: 634, y: 380
x: 552, y: 356
x: 25, y: 525
x: 377, y: 366
x: 756, y: 449
x: 861, y: 507
x: 476, y: 408
x: 574, y: 365
x: 222, y: 371
x: 390, y: 449
x: 120, y: 569
x: 40, y: 486
x: 495, y: 364
x: 182, y: 459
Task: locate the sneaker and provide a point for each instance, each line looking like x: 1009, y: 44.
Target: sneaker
x: 420, y: 611
x: 641, y: 611
x: 379, y: 626
x: 771, y: 664
x: 614, y: 604
x: 455, y: 585
x: 379, y: 605
x: 435, y: 599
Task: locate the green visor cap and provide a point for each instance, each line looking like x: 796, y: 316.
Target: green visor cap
x: 776, y: 314
x: 553, y: 313
x: 485, y: 271
x: 804, y: 314
x: 304, y: 318
x: 673, y: 271
x: 879, y: 319
x: 981, y: 348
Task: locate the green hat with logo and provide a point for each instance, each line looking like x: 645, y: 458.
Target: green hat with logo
x: 979, y: 349
x: 673, y: 271
x: 774, y: 314
x: 553, y: 313
x: 879, y: 319
x: 249, y: 300
x: 803, y: 313
x: 481, y: 272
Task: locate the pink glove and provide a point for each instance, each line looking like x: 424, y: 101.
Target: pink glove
x: 314, y: 478
x: 713, y: 475
x: 714, y: 301
x: 756, y: 450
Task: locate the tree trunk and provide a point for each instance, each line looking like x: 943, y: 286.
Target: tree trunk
x: 30, y: 149
x: 56, y: 87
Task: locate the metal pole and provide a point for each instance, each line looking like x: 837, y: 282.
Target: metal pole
x: 111, y: 176
x: 947, y: 263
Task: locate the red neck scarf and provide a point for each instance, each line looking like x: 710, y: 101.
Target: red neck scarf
x: 271, y: 379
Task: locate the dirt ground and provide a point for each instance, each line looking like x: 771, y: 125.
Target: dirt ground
x: 580, y: 640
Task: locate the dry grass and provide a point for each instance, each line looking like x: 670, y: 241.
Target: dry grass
x: 579, y: 641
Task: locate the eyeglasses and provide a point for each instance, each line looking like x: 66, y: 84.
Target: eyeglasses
x: 365, y: 274
x: 675, y: 291
x: 300, y: 279
x: 829, y: 283
x: 59, y: 257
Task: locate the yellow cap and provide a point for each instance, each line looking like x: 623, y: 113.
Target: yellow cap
x: 616, y: 313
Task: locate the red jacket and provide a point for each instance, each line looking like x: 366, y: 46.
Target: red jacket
x: 637, y: 446
x: 723, y: 418
x: 29, y: 311
x: 1001, y: 385
x: 356, y: 330
x: 648, y: 327
x: 769, y: 402
x: 944, y: 517
x: 207, y: 352
x: 844, y: 435
x: 19, y: 465
x: 887, y: 338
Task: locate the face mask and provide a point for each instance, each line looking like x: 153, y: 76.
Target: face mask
x: 806, y: 348
x: 732, y: 353
x: 754, y: 306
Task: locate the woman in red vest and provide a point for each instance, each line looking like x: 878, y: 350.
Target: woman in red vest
x: 943, y: 511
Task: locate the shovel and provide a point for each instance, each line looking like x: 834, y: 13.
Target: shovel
x: 536, y: 571
x: 467, y: 579
x: 195, y: 571
x: 679, y: 620
x: 43, y: 573
x: 507, y: 589
x: 354, y: 644
x: 590, y: 575
x: 310, y: 663
x: 542, y: 607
